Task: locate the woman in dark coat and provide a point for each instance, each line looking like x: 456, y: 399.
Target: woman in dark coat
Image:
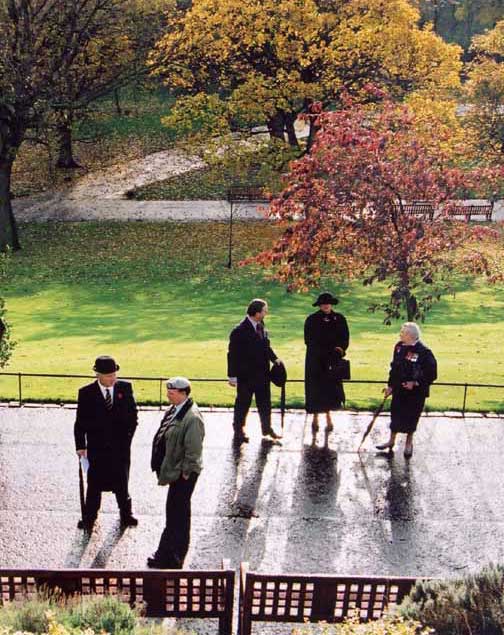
x: 412, y: 371
x: 326, y: 338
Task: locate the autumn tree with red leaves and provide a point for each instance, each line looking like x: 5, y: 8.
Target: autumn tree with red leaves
x: 344, y: 215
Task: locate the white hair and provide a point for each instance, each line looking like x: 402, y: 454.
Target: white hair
x: 413, y: 329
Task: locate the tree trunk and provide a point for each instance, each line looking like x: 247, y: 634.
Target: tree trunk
x: 117, y: 102
x: 290, y: 120
x: 435, y: 18
x: 276, y: 126
x: 312, y: 133
x: 8, y: 226
x: 65, y: 151
x: 410, y: 303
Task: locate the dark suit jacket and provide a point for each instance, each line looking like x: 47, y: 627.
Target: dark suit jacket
x: 106, y: 434
x: 249, y: 356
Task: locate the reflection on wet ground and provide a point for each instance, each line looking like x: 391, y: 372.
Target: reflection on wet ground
x: 307, y: 503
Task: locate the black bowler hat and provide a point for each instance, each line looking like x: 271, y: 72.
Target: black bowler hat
x: 105, y: 365
x: 278, y: 375
x: 325, y: 298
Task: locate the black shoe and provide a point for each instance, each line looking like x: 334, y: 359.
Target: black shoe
x: 86, y: 524
x: 240, y: 437
x: 385, y: 446
x: 128, y: 521
x: 408, y: 452
x: 272, y: 434
x: 153, y: 562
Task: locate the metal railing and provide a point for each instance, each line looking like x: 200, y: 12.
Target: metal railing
x: 161, y: 380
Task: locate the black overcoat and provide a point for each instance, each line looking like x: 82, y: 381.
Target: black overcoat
x: 323, y: 334
x: 106, y: 434
x: 249, y: 355
x: 410, y: 363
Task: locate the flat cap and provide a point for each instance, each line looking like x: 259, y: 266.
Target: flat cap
x: 179, y: 383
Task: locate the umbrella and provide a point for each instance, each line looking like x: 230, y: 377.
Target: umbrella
x: 371, y: 423
x: 282, y: 405
x: 278, y: 376
x: 81, y: 491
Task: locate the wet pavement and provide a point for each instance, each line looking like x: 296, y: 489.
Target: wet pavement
x: 305, y: 504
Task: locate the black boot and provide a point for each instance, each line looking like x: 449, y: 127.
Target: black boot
x: 86, y: 524
x: 127, y: 518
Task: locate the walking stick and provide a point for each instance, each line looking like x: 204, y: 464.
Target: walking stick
x: 282, y: 405
x: 371, y: 423
x: 81, y: 491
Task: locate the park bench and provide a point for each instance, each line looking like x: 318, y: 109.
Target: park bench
x: 479, y: 210
x: 422, y: 209
x: 157, y: 593
x: 315, y: 598
x: 246, y: 194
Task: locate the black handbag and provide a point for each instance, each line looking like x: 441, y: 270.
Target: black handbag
x: 339, y: 369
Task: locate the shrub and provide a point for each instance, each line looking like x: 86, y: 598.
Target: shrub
x: 28, y: 616
x: 106, y: 613
x: 94, y: 613
x: 388, y: 625
x: 472, y: 605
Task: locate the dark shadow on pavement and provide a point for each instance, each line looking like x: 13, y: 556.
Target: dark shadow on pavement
x: 109, y: 542
x: 315, y: 501
x: 77, y: 550
x: 236, y: 506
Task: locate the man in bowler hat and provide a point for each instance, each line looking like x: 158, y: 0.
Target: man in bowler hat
x: 249, y: 357
x: 104, y: 428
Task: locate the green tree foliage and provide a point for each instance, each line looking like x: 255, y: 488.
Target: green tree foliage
x: 459, y: 20
x: 484, y: 93
x: 266, y: 61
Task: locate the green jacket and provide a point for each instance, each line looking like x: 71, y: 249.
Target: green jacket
x: 184, y: 445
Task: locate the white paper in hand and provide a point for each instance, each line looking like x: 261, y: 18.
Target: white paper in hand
x: 84, y: 464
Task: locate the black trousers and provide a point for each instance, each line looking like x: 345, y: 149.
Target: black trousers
x: 174, y: 542
x: 244, y: 393
x: 93, y: 497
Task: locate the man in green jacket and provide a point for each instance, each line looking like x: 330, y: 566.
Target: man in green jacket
x: 176, y: 459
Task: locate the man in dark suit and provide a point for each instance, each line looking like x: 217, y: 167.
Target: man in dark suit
x: 104, y: 427
x: 249, y: 357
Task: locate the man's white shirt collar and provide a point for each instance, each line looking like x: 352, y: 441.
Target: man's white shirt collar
x: 253, y: 322
x: 178, y: 407
x: 104, y: 388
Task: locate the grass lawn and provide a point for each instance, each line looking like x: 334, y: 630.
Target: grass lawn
x: 159, y: 298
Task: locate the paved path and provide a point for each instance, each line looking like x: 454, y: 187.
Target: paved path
x: 61, y: 208
x: 305, y: 505
x: 95, y: 209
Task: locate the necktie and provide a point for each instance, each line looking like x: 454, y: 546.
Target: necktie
x: 260, y: 330
x: 108, y: 399
x: 167, y: 419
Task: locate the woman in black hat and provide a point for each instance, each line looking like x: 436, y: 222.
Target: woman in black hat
x: 326, y: 338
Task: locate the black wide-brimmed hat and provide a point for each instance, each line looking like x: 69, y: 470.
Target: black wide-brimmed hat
x: 325, y: 298
x: 105, y: 365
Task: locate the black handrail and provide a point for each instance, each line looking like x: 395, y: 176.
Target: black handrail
x: 20, y: 375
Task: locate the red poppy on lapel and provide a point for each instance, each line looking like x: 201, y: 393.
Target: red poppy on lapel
x: 119, y: 395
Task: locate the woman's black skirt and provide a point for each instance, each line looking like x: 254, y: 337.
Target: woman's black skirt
x: 405, y: 411
x: 322, y: 393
